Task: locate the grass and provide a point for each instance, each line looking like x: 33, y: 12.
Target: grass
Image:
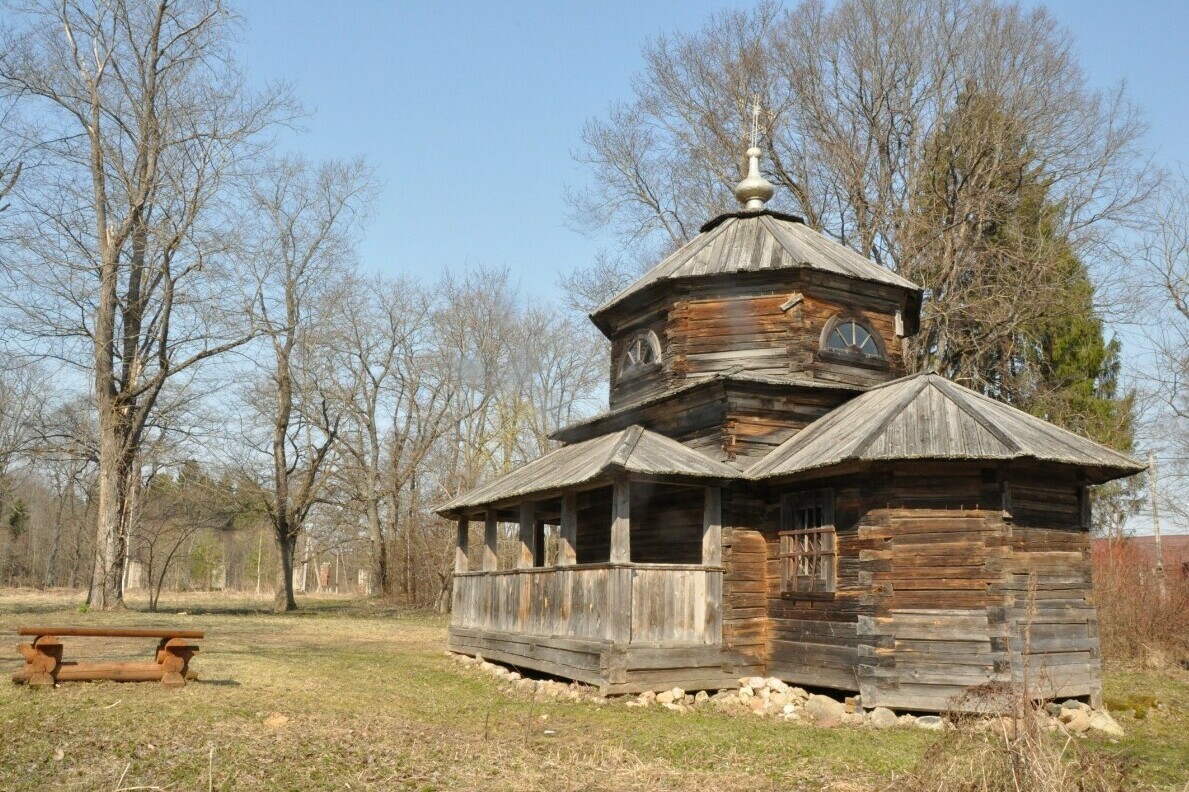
x: 350, y: 695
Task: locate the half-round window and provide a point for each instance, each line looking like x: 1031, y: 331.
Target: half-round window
x: 850, y: 337
x: 642, y: 354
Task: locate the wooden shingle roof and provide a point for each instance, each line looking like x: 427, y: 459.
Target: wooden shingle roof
x: 928, y: 417
x: 632, y: 450
x: 756, y: 242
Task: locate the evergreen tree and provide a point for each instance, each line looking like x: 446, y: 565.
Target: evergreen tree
x: 984, y: 226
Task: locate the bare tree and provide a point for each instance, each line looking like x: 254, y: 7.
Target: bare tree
x: 1162, y: 313
x: 393, y: 406
x: 145, y: 118
x: 856, y: 93
x: 22, y: 402
x: 301, y: 251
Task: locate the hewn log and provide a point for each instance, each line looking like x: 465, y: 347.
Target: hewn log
x: 112, y: 632
x: 460, y: 545
x: 528, y: 536
x: 567, y: 544
x: 621, y: 504
x: 490, y: 538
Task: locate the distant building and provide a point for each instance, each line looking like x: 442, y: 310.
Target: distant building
x: 1174, y: 550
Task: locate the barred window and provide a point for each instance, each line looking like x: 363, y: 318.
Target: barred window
x: 807, y: 544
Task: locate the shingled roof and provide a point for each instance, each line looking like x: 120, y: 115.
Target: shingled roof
x: 632, y: 450
x: 926, y: 416
x: 757, y: 242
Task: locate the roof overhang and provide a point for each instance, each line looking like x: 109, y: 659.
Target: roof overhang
x: 633, y: 453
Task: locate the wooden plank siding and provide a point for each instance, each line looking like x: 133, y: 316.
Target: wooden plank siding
x: 667, y: 603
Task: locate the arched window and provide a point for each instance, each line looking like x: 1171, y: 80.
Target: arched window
x: 642, y: 353
x: 851, y: 337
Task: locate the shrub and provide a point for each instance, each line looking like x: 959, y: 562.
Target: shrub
x: 1139, y: 618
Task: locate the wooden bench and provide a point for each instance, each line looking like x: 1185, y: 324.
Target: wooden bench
x: 44, y: 665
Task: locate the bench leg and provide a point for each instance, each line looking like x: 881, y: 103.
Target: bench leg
x: 173, y: 655
x: 43, y: 658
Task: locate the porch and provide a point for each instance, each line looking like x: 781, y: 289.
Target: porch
x: 615, y: 585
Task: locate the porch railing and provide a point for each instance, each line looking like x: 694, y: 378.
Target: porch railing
x: 623, y: 603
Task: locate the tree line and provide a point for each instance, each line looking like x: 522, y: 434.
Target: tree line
x: 192, y: 347
x: 194, y: 359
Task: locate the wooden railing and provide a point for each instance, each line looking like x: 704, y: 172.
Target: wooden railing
x: 624, y: 603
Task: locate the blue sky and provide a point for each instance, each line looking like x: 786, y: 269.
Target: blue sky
x: 469, y: 111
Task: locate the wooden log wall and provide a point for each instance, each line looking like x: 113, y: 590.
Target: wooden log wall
x: 941, y: 591
x: 746, y: 324
x: 640, y: 385
x: 745, y: 582
x: 1047, y: 586
x: 935, y: 560
x: 815, y: 641
x: 666, y: 524
x: 594, y: 527
x: 757, y: 421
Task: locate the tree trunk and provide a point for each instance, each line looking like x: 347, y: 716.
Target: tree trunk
x: 106, y: 592
x: 285, y: 600
x: 379, y: 546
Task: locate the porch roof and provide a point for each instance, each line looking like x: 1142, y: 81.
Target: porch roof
x: 631, y: 450
x: 926, y: 416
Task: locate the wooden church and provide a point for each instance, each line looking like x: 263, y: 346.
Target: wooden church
x: 769, y: 494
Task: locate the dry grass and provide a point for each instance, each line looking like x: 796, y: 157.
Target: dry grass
x: 354, y: 696
x: 1141, y: 619
x: 1020, y: 750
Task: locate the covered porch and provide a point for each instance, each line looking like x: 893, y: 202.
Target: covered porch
x: 612, y: 573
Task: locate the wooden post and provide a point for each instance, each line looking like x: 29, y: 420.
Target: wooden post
x: 567, y: 538
x: 621, y: 535
x: 712, y: 527
x: 490, y: 537
x: 712, y: 556
x: 460, y: 547
x: 528, y: 536
x: 1156, y: 523
x: 619, y: 619
x: 539, y: 543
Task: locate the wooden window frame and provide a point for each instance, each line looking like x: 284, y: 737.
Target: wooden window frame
x: 877, y: 361
x: 627, y: 369
x: 815, y: 546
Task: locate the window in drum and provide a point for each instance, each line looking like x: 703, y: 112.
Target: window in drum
x: 642, y: 353
x: 850, y: 337
x: 807, y: 544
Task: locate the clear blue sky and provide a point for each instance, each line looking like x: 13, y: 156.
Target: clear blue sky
x: 469, y: 111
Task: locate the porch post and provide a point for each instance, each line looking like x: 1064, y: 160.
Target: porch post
x: 712, y: 556
x: 619, y: 621
x: 712, y: 527
x: 567, y: 538
x: 490, y: 523
x: 621, y: 539
x: 528, y: 536
x: 460, y: 547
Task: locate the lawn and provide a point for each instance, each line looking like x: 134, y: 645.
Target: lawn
x: 349, y: 695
